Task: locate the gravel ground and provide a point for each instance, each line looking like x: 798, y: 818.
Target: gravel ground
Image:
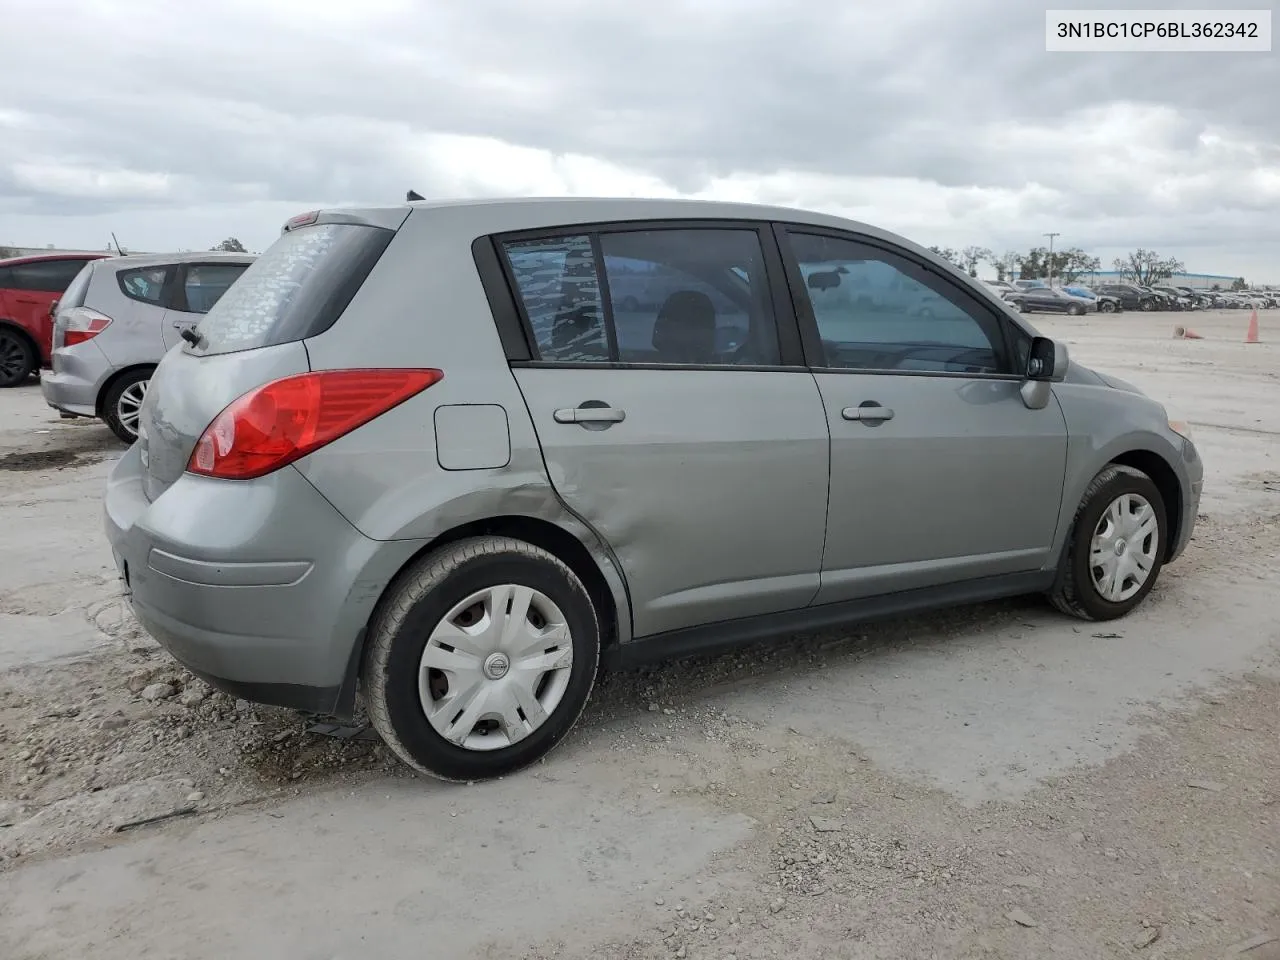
x: 993, y: 781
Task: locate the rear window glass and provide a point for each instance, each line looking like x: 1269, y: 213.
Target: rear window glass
x: 295, y: 290
x: 73, y: 296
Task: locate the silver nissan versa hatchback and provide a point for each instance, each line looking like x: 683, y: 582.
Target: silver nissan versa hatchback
x: 451, y: 456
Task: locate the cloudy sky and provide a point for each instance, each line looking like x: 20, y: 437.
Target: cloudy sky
x: 177, y: 124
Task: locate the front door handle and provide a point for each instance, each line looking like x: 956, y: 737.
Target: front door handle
x: 592, y: 414
x: 867, y: 412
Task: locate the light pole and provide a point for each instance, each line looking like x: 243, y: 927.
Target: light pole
x: 1051, y: 236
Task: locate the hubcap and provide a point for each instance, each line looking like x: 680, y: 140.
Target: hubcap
x: 496, y: 667
x: 12, y: 357
x: 129, y: 406
x: 1123, y: 551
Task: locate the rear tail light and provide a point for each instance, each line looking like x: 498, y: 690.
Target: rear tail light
x: 79, y: 325
x: 280, y: 422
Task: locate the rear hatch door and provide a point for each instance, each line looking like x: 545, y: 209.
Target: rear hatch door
x: 254, y: 333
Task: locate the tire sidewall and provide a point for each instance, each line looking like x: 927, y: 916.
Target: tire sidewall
x: 1086, y: 593
x: 400, y: 686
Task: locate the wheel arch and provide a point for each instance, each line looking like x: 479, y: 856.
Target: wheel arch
x: 612, y: 609
x: 115, y: 378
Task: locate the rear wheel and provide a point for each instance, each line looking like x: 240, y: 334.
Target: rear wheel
x: 17, y: 358
x: 122, y: 404
x: 1116, y: 546
x: 480, y: 659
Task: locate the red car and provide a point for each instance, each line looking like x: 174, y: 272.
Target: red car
x: 29, y: 287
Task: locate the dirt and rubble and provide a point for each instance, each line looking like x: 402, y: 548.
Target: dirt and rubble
x: 988, y: 782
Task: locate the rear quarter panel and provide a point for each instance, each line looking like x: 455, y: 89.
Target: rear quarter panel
x: 423, y: 305
x: 136, y: 334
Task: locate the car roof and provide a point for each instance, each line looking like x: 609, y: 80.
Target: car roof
x: 43, y: 257
x: 160, y: 259
x: 510, y: 214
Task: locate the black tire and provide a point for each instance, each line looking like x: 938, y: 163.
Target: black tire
x: 17, y: 358
x: 1106, y: 306
x: 112, y: 414
x: 1074, y: 592
x: 1147, y: 305
x: 416, y: 603
x: 1075, y: 310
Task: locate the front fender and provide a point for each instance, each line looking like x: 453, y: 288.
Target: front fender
x: 1105, y: 424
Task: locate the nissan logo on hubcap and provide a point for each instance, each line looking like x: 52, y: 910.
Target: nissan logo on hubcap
x: 496, y: 666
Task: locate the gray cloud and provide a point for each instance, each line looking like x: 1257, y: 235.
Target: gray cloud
x: 305, y: 102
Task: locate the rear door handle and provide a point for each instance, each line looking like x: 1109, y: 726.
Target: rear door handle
x: 589, y: 415
x: 867, y: 413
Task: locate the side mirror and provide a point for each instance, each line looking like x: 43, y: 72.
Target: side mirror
x: 1046, y: 364
x: 1049, y: 360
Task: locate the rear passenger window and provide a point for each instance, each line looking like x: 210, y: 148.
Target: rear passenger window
x: 560, y: 291
x: 145, y: 284
x: 205, y: 283
x: 695, y: 297
x: 45, y: 276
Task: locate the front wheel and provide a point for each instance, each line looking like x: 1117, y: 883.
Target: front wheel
x: 17, y: 359
x: 1075, y: 310
x: 480, y: 659
x: 1148, y: 305
x: 1116, y: 546
x: 1106, y: 306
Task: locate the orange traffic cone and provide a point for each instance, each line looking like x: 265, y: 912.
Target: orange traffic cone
x: 1182, y: 333
x: 1252, y: 335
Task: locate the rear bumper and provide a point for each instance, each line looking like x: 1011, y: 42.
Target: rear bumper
x: 259, y: 587
x: 76, y: 379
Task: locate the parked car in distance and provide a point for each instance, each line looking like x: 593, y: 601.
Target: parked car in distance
x: 1103, y: 301
x: 29, y: 287
x: 1051, y: 300
x: 1179, y: 299
x: 115, y: 322
x: 1199, y: 299
x: 439, y: 469
x: 1131, y: 296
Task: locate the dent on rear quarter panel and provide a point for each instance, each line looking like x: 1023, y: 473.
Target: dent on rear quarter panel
x: 423, y: 306
x: 1102, y: 424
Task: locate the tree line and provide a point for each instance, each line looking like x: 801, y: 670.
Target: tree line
x: 1068, y: 265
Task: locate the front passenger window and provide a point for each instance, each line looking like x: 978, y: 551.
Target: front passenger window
x: 877, y: 311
